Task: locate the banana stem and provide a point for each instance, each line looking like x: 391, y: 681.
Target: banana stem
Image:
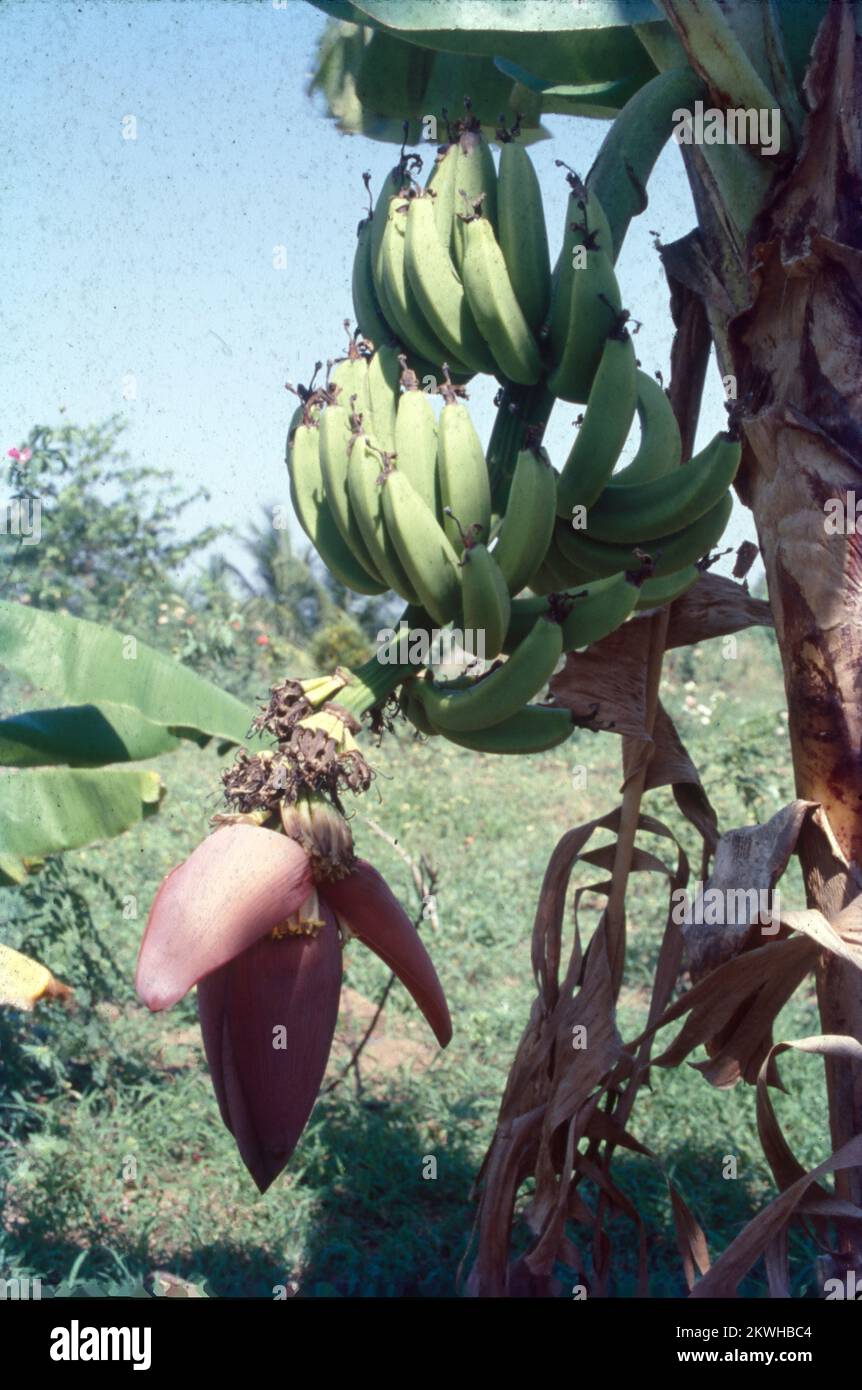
x: 371, y: 684
x: 689, y: 360
x: 521, y: 407
x: 718, y: 56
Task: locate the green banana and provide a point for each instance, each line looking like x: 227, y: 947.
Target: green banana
x: 669, y: 553
x: 523, y: 234
x: 416, y: 444
x: 485, y: 602
x: 607, y: 421
x: 366, y: 502
x: 366, y: 308
x: 337, y: 438
x: 350, y: 375
x: 597, y: 609
x: 413, y: 709
x: 475, y: 180
x: 439, y: 292
x: 534, y: 729
x: 586, y: 225
x: 430, y: 562
x: 656, y: 592
x: 501, y: 694
x: 403, y: 303
x: 495, y: 306
x: 384, y: 378
x: 441, y: 182
x: 594, y: 311
x: 464, y: 487
x: 528, y: 523
x: 308, y: 496
x: 554, y: 574
x: 638, y: 513
x: 660, y: 448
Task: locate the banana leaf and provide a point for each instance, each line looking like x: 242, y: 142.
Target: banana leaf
x: 562, y: 43
x: 84, y: 663
x: 82, y: 736
x: 47, y: 810
x: 372, y: 82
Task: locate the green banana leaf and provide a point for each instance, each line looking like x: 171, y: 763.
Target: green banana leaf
x: 372, y: 82
x: 82, y: 736
x: 561, y: 42
x: 84, y: 663
x: 52, y: 809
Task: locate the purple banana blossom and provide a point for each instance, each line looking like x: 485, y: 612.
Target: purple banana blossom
x: 244, y: 920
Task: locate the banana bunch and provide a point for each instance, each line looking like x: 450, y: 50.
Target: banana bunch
x: 450, y: 280
x: 458, y: 271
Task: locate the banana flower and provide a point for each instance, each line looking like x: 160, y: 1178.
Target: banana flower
x: 257, y: 920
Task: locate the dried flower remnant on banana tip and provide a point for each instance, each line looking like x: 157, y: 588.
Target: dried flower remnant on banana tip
x: 257, y: 916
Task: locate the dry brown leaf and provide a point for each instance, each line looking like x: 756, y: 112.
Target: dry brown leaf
x: 725, y: 1276
x: 690, y: 1239
x: 714, y: 607
x: 752, y: 858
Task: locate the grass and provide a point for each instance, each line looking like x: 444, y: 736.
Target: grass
x: 116, y: 1163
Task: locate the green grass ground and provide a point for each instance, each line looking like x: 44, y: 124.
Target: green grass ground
x: 114, y: 1148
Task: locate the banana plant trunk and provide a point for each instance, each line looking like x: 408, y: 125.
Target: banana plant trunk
x: 785, y: 305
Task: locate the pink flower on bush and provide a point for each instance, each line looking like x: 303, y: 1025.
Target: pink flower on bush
x: 20, y: 455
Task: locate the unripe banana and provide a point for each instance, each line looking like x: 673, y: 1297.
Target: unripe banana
x: 552, y: 576
x: 413, y: 709
x: 441, y: 182
x: 485, y: 601
x: 534, y: 729
x: 596, y: 610
x: 308, y: 495
x: 528, y: 524
x: 384, y: 379
x: 369, y: 315
x: 337, y: 437
x: 501, y: 694
x: 586, y: 225
x: 660, y: 448
x: 403, y: 304
x: 629, y: 515
x: 607, y: 421
x: 416, y: 445
x: 594, y: 312
x: 494, y: 304
x: 439, y: 292
x: 350, y: 375
x: 423, y: 548
x: 475, y: 180
x: 464, y: 487
x: 669, y: 553
x: 654, y: 593
x: 523, y: 234
x: 366, y: 501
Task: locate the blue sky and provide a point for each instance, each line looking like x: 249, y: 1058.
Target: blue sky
x: 152, y: 258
